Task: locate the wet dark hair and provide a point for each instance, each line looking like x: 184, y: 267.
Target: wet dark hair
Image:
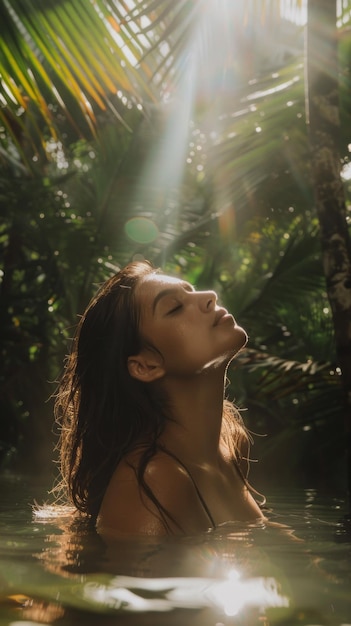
x: 103, y: 412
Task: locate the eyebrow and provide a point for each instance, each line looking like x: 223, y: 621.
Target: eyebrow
x: 169, y: 292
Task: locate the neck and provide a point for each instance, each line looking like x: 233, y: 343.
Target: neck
x: 195, y: 405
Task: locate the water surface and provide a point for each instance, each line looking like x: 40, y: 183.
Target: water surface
x: 53, y: 572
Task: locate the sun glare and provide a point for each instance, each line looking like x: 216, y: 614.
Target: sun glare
x: 213, y: 66
x: 231, y: 596
x: 290, y: 11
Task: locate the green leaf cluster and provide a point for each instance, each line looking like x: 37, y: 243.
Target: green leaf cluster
x: 92, y: 176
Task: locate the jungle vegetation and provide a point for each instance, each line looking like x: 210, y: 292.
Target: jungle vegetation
x: 205, y: 136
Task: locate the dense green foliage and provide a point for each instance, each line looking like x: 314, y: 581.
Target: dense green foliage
x: 233, y: 211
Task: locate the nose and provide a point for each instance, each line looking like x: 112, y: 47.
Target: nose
x: 207, y: 300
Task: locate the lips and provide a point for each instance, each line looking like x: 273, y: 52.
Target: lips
x: 222, y: 315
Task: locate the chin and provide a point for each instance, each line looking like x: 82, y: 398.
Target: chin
x: 241, y: 338
x: 238, y: 348
x: 239, y: 344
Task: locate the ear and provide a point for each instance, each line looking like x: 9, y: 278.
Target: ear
x: 146, y: 366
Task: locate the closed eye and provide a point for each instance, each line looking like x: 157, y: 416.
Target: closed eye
x: 175, y: 309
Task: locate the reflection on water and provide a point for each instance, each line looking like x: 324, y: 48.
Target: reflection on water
x: 56, y: 571
x: 165, y: 594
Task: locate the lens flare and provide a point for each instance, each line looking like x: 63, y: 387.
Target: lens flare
x: 141, y: 230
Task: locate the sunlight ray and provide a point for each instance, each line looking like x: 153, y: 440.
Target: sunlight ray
x: 207, y: 62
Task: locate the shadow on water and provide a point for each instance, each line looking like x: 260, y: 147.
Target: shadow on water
x: 56, y: 571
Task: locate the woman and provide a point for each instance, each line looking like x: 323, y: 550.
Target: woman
x: 148, y: 444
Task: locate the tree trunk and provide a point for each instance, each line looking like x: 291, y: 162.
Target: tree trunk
x: 324, y: 123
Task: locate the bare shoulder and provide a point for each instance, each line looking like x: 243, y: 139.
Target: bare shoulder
x: 127, y: 509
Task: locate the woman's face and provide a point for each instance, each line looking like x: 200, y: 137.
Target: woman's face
x: 187, y: 327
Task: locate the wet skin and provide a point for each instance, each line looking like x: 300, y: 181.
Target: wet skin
x: 188, y: 341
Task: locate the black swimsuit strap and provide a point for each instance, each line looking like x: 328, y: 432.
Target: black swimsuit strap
x: 207, y: 510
